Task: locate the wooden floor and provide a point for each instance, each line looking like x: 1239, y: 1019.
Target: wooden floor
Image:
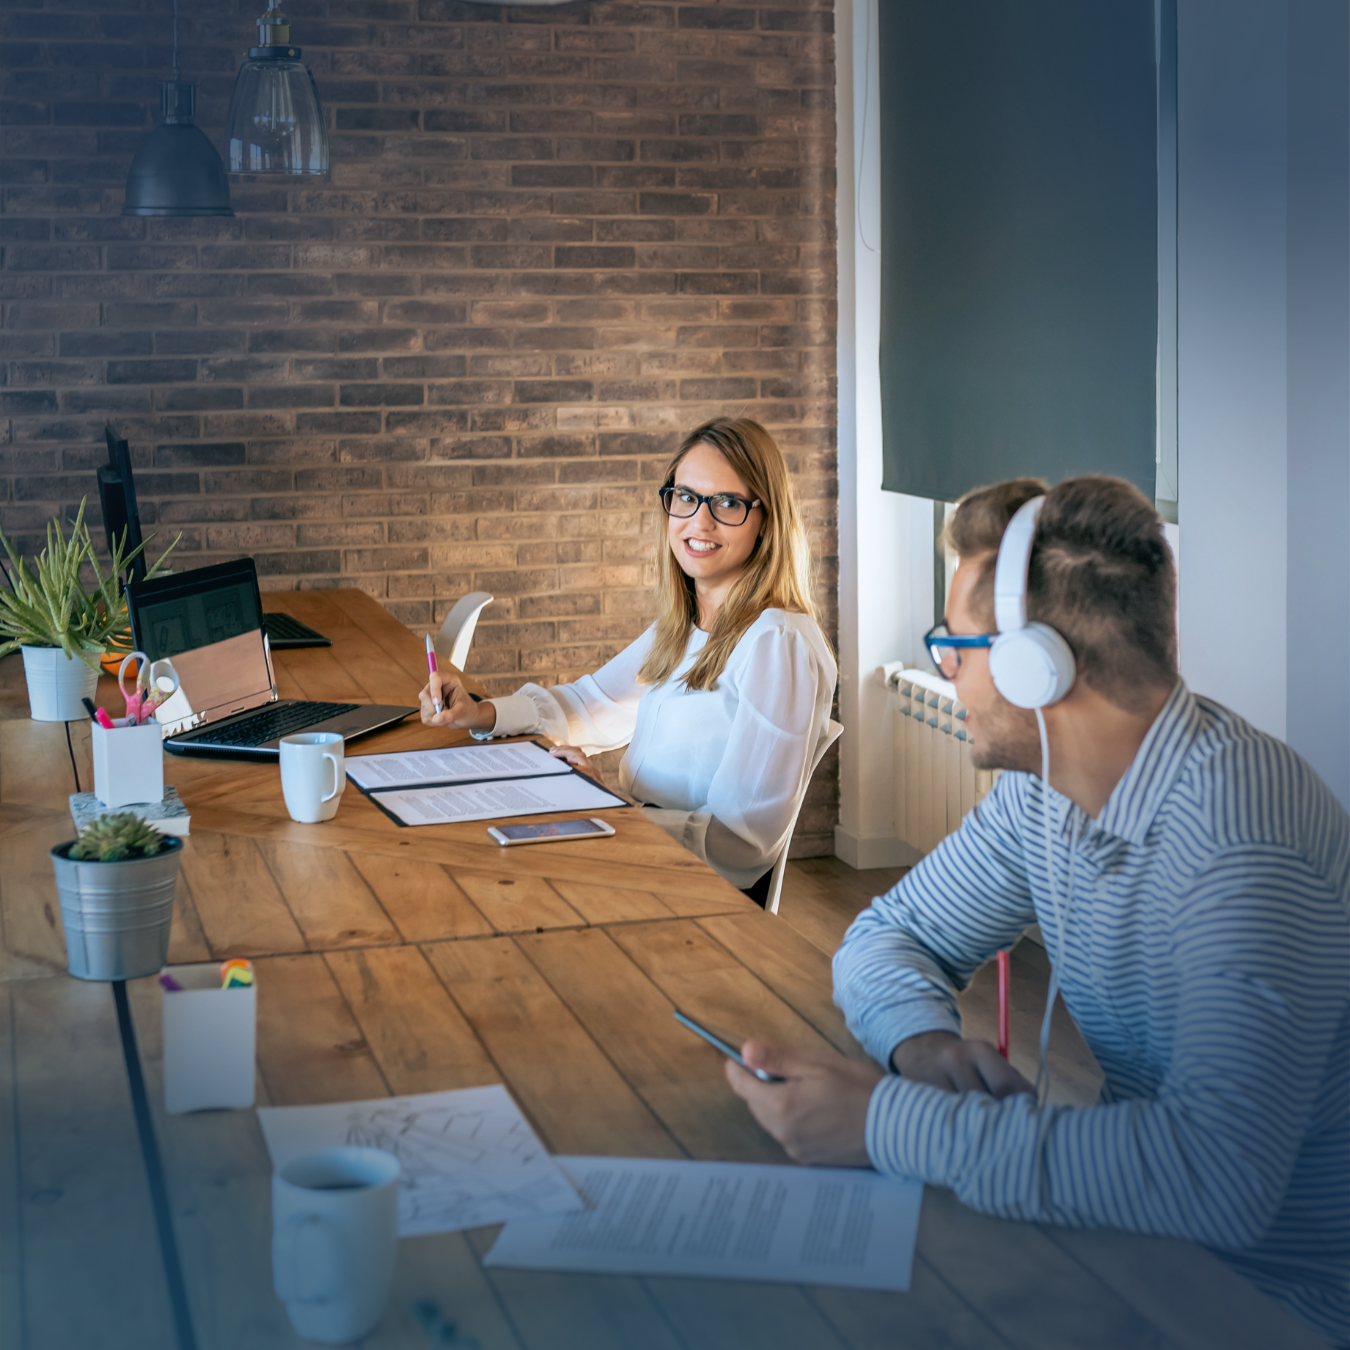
x: 821, y: 897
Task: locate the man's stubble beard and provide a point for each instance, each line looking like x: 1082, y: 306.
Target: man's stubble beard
x: 1007, y: 738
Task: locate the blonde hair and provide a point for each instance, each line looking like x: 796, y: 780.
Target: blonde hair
x: 777, y: 574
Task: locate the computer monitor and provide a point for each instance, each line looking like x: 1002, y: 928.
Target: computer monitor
x: 117, y: 497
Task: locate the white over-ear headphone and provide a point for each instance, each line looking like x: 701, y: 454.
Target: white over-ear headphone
x: 1031, y: 664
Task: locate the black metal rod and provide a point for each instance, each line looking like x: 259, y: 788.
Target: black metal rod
x: 154, y: 1171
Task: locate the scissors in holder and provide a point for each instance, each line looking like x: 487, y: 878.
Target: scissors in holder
x: 156, y: 683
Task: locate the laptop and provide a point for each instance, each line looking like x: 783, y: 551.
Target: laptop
x: 209, y: 622
x: 122, y: 520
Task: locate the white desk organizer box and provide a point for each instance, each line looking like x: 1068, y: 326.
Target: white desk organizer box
x: 128, y: 763
x: 209, y: 1037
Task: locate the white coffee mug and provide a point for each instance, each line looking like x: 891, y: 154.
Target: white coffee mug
x: 334, y: 1240
x: 312, y: 775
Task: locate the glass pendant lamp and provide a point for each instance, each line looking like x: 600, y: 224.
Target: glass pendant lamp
x: 275, y: 124
x: 177, y: 171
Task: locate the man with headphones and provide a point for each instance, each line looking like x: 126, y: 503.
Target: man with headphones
x: 1191, y: 878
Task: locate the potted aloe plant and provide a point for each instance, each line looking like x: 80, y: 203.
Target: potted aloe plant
x: 116, y: 883
x: 62, y: 625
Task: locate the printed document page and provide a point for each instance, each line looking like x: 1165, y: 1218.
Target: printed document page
x: 735, y: 1221
x: 493, y: 801
x: 462, y: 764
x: 468, y: 1158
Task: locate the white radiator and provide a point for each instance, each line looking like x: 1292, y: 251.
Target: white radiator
x: 935, y: 781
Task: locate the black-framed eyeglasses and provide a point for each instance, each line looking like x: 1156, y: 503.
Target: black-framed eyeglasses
x: 727, y: 508
x: 944, y: 648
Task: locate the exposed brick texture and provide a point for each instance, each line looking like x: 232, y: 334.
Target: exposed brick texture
x: 553, y: 240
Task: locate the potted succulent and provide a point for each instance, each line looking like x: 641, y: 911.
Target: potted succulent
x: 116, y: 883
x: 62, y: 626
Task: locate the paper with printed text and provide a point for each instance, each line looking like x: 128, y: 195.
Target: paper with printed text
x: 457, y: 764
x: 735, y: 1221
x: 493, y: 801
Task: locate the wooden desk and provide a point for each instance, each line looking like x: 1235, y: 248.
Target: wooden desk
x: 394, y: 961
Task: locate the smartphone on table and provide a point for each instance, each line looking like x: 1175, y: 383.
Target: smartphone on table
x: 552, y: 832
x: 729, y: 1051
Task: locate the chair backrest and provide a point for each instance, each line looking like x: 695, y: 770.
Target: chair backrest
x: 452, y: 642
x: 832, y: 733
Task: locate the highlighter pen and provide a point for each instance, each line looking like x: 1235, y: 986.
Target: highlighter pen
x: 431, y: 666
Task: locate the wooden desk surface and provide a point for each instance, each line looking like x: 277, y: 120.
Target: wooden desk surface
x: 398, y: 960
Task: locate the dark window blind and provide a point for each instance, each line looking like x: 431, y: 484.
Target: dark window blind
x: 1019, y: 241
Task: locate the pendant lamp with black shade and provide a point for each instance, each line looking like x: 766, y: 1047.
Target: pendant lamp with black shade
x: 177, y: 171
x: 276, y: 125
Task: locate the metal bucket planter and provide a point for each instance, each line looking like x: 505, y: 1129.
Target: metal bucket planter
x: 56, y: 684
x: 117, y: 914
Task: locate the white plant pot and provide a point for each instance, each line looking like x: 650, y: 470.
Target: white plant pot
x: 57, y: 684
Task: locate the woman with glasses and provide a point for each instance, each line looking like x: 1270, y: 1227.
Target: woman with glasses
x: 721, y: 702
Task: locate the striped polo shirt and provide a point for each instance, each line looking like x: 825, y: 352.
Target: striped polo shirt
x: 1205, y: 956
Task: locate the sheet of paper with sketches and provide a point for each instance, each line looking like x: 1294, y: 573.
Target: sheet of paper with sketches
x: 735, y: 1221
x: 457, y: 764
x: 469, y: 1157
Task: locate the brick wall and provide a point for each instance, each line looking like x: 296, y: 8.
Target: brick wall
x: 553, y: 240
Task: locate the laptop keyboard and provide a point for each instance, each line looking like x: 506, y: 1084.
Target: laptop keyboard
x: 271, y: 723
x: 284, y: 628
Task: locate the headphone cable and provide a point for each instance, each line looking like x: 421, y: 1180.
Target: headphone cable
x: 1061, y: 919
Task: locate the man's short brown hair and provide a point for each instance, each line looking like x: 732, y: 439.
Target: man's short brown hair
x: 1101, y: 574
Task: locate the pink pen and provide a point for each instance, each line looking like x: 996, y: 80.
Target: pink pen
x: 103, y: 720
x: 432, y: 667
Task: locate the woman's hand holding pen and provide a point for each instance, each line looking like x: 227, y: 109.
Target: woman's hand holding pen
x: 458, y: 711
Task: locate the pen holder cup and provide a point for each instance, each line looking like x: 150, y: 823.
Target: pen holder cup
x: 128, y: 764
x: 209, y: 1036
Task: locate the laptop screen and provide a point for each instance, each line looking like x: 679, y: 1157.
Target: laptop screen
x: 209, y: 623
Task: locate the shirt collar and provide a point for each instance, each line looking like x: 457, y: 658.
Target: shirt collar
x: 1137, y: 798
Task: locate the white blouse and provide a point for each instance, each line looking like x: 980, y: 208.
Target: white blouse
x: 726, y: 767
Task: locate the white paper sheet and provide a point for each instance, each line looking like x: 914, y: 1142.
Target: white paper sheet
x: 462, y: 764
x: 469, y: 1157
x: 493, y: 801
x: 735, y: 1221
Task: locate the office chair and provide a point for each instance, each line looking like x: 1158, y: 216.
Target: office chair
x: 832, y: 733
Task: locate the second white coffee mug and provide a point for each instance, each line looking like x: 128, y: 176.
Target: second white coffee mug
x: 312, y: 775
x: 334, y: 1241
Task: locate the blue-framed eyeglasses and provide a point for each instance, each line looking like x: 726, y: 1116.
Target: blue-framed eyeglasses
x: 944, y: 648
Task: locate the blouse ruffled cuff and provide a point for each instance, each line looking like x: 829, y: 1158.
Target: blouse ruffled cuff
x: 517, y: 715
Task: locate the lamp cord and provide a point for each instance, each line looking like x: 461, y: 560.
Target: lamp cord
x: 71, y: 748
x: 175, y: 41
